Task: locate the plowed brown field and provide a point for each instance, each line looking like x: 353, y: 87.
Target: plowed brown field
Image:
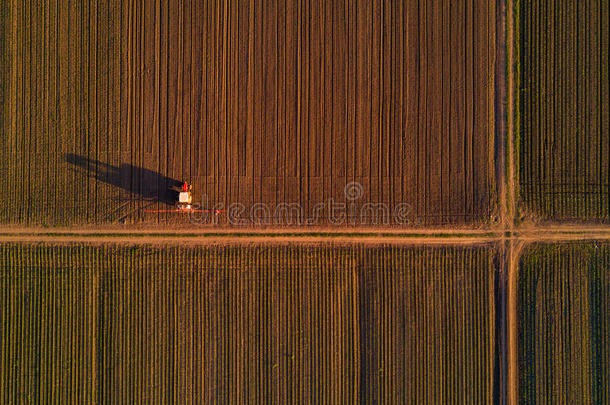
x: 110, y: 102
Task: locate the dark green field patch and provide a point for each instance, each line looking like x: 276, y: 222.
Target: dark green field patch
x: 564, y: 323
x: 256, y: 324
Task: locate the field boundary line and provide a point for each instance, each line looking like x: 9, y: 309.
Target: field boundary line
x: 509, y: 19
x: 502, y: 131
x: 529, y: 234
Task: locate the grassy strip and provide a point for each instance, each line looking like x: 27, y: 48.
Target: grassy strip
x: 514, y: 119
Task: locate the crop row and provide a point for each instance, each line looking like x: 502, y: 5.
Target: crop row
x: 564, y: 330
x: 246, y: 324
x: 564, y: 117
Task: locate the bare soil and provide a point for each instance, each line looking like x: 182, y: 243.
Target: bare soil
x: 115, y: 102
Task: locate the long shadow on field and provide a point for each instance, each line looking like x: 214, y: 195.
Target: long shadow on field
x: 137, y: 181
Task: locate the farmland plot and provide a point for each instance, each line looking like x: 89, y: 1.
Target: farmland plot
x: 564, y: 323
x: 564, y: 98
x: 247, y: 324
x: 108, y: 103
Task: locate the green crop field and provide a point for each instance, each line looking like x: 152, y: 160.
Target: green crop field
x: 564, y: 324
x: 564, y: 116
x: 246, y: 324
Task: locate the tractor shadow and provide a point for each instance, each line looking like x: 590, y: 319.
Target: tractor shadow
x: 137, y: 182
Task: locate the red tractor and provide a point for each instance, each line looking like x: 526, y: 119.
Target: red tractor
x: 185, y: 197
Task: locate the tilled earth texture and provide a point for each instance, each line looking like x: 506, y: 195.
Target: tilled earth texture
x: 107, y: 104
